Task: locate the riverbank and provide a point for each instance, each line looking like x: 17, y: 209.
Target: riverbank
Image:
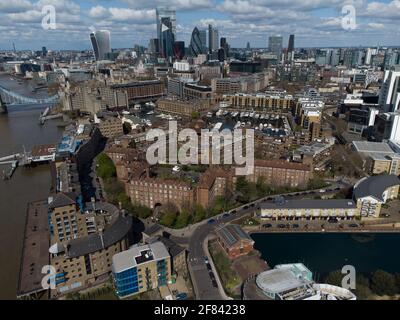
x: 19, y: 128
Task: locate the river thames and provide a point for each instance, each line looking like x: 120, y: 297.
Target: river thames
x: 18, y: 128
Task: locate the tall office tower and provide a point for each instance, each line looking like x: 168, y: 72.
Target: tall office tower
x: 290, y: 51
x: 224, y: 45
x: 196, y: 46
x: 153, y: 46
x: 275, y: 46
x: 203, y: 39
x: 167, y: 38
x: 291, y: 43
x: 165, y: 13
x: 335, y: 57
x: 391, y: 59
x: 248, y: 46
x: 179, y: 49
x: 101, y: 44
x: 213, y: 38
x: 44, y: 51
x: 368, y: 56
x: 389, y: 97
x: 166, y: 31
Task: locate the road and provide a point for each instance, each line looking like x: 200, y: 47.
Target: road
x: 195, y: 235
x: 202, y: 283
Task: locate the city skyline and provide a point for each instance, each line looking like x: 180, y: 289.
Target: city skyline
x: 315, y: 23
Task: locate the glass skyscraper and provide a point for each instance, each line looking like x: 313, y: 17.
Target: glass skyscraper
x: 275, y: 46
x: 101, y: 44
x: 166, y: 18
x: 196, y: 46
x: 213, y: 38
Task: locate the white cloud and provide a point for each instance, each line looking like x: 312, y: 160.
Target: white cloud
x: 376, y: 25
x: 14, y: 6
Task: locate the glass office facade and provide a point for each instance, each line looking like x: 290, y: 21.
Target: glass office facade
x: 126, y: 282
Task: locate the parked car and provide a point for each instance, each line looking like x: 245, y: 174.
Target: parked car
x: 267, y: 225
x: 226, y: 215
x: 181, y: 296
x: 211, y: 221
x: 233, y: 211
x: 295, y: 226
x: 281, y: 226
x: 353, y: 225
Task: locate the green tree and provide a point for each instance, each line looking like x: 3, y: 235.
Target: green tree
x: 127, y: 128
x: 195, y: 115
x: 105, y: 167
x: 199, y: 213
x: 142, y: 211
x: 383, y: 283
x: 182, y: 219
x: 168, y: 218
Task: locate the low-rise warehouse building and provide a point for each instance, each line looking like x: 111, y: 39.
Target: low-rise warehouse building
x: 234, y: 241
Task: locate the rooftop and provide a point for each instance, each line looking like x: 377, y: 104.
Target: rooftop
x: 95, y: 242
x: 233, y: 233
x: 375, y: 186
x: 279, y: 280
x: 372, y: 147
x: 310, y: 204
x: 137, y: 254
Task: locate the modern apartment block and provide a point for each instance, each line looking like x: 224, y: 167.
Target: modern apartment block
x: 270, y: 101
x: 183, y: 108
x: 246, y: 84
x: 389, y: 98
x: 141, y: 91
x: 83, y: 238
x: 371, y: 193
x: 109, y: 126
x: 309, y: 116
x: 141, y: 268
x: 309, y: 209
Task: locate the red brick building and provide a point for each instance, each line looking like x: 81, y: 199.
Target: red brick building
x: 281, y: 173
x: 234, y: 241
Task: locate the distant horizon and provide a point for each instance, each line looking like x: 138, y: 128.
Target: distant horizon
x: 315, y: 23
x: 251, y: 48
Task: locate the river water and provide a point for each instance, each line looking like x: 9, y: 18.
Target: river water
x: 18, y: 128
x: 326, y: 252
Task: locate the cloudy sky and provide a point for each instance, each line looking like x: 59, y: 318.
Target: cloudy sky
x: 314, y: 22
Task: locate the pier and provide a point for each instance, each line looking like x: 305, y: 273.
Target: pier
x: 39, y: 154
